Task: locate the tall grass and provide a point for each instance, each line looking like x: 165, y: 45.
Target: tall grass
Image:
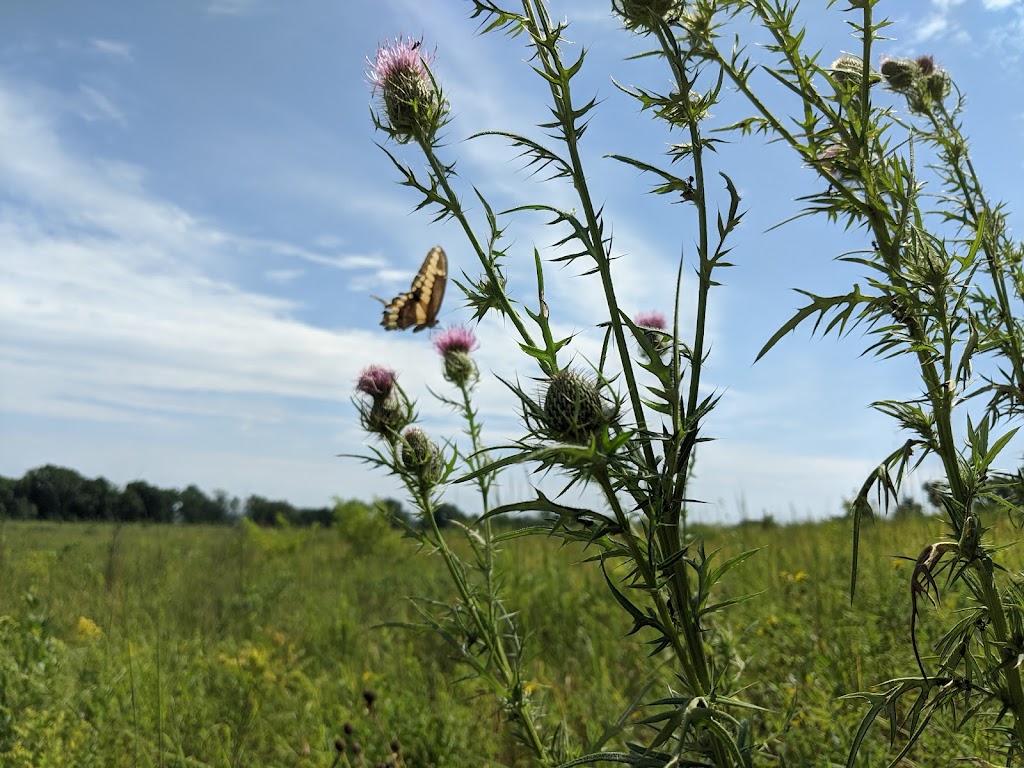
x: 246, y: 647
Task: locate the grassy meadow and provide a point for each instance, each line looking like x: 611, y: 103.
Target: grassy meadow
x: 240, y: 646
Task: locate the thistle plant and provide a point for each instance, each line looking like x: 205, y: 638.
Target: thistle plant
x: 477, y: 628
x: 596, y: 423
x: 944, y: 281
x: 943, y: 288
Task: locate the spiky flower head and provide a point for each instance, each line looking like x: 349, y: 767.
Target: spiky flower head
x: 653, y: 325
x: 645, y: 15
x: 455, y: 345
x: 573, y: 407
x: 413, y: 107
x: 421, y: 456
x: 376, y: 381
x: 651, y: 319
x: 900, y: 73
x: 926, y: 64
x: 847, y: 69
x: 389, y: 409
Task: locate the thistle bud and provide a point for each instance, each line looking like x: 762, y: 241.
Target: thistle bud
x: 421, y: 456
x: 573, y: 407
x: 412, y: 105
x: 939, y: 85
x: 389, y: 409
x: 454, y: 346
x: 900, y: 73
x: 847, y: 70
x: 644, y: 15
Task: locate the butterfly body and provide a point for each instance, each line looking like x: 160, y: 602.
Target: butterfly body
x: 418, y: 307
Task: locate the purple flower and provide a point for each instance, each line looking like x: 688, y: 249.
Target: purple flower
x: 397, y: 61
x: 455, y: 339
x: 651, y: 319
x: 412, y: 105
x: 376, y: 381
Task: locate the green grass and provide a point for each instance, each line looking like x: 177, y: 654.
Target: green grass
x: 190, y: 646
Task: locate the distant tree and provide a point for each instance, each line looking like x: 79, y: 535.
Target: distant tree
x: 323, y: 516
x: 158, y: 504
x: 54, y: 491
x: 94, y: 500
x: 231, y: 505
x: 7, y: 496
x: 129, y: 507
x: 908, y: 508
x: 197, y: 507
x: 266, y: 512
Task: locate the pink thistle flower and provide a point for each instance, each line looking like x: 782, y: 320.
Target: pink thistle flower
x: 396, y: 61
x: 455, y: 344
x: 376, y: 381
x: 412, y: 106
x: 651, y: 319
x: 455, y: 339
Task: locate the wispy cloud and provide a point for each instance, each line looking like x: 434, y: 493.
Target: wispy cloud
x: 232, y: 7
x: 97, y: 106
x: 113, y: 48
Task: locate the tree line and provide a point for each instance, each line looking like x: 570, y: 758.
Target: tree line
x: 61, y: 494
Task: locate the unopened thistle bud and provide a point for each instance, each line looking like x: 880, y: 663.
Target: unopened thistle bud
x: 644, y: 15
x: 573, y: 407
x: 455, y: 345
x: 412, y: 105
x: 900, y: 73
x: 938, y: 84
x: 421, y: 456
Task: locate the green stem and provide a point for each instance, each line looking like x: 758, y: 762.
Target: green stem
x: 441, y: 176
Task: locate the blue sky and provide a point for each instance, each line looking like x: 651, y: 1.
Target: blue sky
x: 193, y: 216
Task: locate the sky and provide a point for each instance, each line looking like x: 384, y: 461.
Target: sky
x: 194, y: 215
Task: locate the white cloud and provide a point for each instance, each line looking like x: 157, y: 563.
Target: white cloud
x: 113, y: 48
x: 97, y: 106
x: 232, y: 7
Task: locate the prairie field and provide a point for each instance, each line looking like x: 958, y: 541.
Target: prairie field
x: 184, y: 646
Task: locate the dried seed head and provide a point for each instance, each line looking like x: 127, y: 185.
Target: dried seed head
x: 573, y: 407
x: 847, y: 69
x: 370, y: 697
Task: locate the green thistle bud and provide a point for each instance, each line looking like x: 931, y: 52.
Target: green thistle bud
x: 644, y: 15
x: 421, y: 455
x: 459, y: 368
x: 573, y: 407
x: 386, y: 416
x: 939, y: 85
x: 900, y: 73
